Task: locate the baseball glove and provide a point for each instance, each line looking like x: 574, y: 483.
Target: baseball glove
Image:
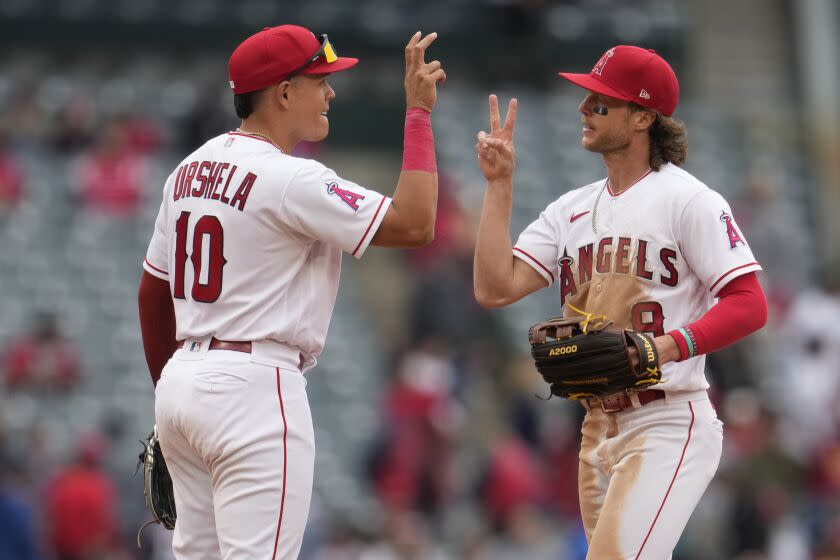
x: 580, y: 357
x: 157, y: 484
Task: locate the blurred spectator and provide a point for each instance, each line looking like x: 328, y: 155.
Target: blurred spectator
x: 811, y: 355
x: 17, y: 535
x: 144, y: 134
x: 112, y: 178
x: 514, y: 483
x: 11, y: 179
x: 551, y: 432
x: 767, y: 481
x: 443, y: 304
x: 75, y: 126
x: 42, y: 359
x: 209, y: 116
x: 407, y: 537
x: 341, y: 542
x: 411, y: 466
x: 530, y: 534
x: 24, y: 122
x: 81, y: 507
x: 828, y: 544
x: 561, y: 456
x: 780, y: 237
x: 450, y: 229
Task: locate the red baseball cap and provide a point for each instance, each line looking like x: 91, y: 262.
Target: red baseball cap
x: 277, y: 53
x: 632, y: 74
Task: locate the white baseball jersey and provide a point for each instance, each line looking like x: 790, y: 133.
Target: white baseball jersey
x: 250, y: 241
x: 651, y: 258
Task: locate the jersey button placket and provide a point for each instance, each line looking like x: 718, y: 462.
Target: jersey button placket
x: 610, y: 214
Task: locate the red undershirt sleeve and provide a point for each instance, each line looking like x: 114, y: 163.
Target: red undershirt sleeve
x: 157, y: 323
x: 741, y: 310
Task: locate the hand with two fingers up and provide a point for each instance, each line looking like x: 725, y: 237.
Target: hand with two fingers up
x: 495, y: 151
x: 421, y: 78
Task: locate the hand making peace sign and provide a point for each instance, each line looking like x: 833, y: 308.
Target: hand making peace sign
x: 495, y: 151
x: 421, y: 79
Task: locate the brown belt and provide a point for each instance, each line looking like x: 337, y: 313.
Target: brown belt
x: 216, y: 344
x: 621, y: 401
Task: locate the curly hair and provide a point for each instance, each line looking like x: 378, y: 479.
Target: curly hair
x: 668, y: 142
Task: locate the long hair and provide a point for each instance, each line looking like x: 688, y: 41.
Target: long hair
x: 668, y: 142
x: 245, y: 103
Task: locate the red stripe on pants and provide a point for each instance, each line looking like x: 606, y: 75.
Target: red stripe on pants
x: 283, y: 499
x: 691, y: 425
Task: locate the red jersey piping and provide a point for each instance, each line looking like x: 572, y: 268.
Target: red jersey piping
x: 530, y: 256
x: 639, y: 180
x: 370, y: 225
x: 153, y: 267
x: 725, y: 274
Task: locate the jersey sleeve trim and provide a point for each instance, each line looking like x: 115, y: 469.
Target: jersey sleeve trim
x: 740, y: 270
x: 540, y: 267
x: 365, y: 240
x: 155, y: 271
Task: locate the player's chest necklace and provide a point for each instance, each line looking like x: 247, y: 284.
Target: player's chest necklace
x: 607, y: 214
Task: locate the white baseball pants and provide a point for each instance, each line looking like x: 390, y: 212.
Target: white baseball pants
x: 642, y: 472
x: 238, y: 440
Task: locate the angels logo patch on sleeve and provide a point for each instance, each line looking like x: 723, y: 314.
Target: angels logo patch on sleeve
x: 321, y: 205
x: 731, y: 232
x: 713, y: 246
x: 349, y: 197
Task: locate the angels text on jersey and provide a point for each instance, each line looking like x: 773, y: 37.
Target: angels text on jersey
x: 616, y: 255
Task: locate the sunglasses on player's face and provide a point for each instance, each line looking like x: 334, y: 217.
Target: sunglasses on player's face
x: 326, y: 50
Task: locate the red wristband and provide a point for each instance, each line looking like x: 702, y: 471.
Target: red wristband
x: 419, y: 142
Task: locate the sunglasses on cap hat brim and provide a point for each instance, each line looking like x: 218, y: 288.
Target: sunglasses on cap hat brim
x: 327, y: 51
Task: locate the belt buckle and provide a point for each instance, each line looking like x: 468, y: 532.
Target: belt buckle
x: 616, y: 403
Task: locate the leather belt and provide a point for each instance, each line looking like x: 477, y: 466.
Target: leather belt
x: 622, y: 401
x: 216, y: 344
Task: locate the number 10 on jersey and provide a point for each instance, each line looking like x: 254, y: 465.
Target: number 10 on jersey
x: 207, y: 276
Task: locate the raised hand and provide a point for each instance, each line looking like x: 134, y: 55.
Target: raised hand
x: 495, y: 151
x: 421, y: 78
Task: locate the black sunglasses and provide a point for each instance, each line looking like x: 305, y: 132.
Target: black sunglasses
x: 326, y: 50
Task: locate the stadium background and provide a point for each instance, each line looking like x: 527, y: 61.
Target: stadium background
x: 431, y: 443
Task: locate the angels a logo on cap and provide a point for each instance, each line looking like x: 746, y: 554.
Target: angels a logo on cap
x: 599, y: 68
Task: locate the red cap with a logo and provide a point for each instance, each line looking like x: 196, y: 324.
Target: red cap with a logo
x: 632, y: 74
x: 275, y: 53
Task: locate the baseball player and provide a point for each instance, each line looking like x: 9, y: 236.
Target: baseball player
x: 240, y: 280
x: 651, y: 247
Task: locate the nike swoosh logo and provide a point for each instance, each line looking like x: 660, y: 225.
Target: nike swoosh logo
x: 576, y: 216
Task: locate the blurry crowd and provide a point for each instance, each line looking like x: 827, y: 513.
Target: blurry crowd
x: 469, y: 461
